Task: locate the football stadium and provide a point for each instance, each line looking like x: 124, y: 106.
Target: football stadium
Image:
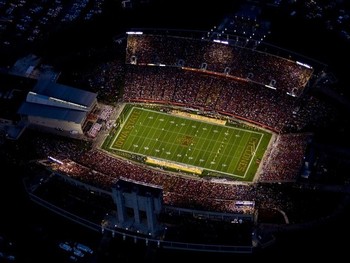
x: 204, y: 136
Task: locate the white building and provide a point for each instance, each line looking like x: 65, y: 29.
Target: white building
x: 59, y: 107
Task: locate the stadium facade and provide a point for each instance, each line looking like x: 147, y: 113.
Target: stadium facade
x: 133, y: 210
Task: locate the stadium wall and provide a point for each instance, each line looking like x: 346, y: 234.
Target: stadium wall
x: 148, y: 241
x: 59, y: 125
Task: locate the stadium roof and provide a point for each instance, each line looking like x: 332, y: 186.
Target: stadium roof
x: 56, y: 101
x: 65, y: 93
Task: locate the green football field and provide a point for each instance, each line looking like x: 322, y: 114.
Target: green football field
x: 201, y: 147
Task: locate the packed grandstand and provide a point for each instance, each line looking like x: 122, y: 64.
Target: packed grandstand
x: 247, y: 86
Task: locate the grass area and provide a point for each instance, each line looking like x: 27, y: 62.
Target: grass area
x: 189, y: 143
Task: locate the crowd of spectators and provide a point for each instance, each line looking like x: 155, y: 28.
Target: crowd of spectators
x: 284, y: 159
x: 104, y: 79
x: 98, y: 168
x: 224, y: 94
x: 259, y: 67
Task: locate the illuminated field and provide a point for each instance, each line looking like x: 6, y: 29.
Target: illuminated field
x: 189, y: 143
